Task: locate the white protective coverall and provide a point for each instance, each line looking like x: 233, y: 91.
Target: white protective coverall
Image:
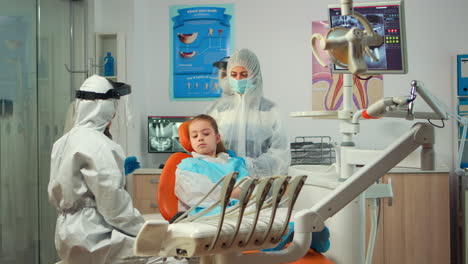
x: 250, y: 124
x: 97, y: 222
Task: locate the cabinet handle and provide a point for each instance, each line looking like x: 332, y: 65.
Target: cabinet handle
x: 390, y: 199
x: 153, y: 205
x: 154, y: 181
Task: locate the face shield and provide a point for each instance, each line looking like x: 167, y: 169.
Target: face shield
x: 119, y: 89
x: 101, y: 101
x: 122, y: 115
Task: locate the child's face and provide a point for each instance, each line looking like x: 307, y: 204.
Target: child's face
x: 203, y: 137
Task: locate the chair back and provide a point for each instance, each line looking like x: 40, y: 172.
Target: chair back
x: 167, y: 200
x: 184, y: 137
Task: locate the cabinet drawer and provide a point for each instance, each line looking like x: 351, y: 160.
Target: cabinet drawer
x: 145, y: 187
x: 147, y: 206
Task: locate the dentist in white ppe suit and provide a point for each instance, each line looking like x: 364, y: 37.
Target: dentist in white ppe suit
x: 249, y: 123
x: 96, y: 220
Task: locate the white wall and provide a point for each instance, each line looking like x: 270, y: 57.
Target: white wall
x: 279, y: 32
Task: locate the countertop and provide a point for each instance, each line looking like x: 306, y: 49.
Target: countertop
x: 147, y: 171
x: 416, y: 170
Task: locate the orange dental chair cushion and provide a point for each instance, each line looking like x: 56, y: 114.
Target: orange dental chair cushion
x: 167, y: 200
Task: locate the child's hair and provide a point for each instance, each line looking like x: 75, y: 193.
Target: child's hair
x: 220, y: 146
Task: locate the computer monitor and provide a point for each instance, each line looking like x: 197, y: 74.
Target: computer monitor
x: 387, y: 19
x: 163, y: 133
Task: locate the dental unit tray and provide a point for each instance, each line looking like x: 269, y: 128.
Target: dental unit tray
x: 312, y: 150
x: 262, y: 225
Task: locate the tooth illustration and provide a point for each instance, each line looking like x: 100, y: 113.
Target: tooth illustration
x: 187, y: 54
x: 187, y: 38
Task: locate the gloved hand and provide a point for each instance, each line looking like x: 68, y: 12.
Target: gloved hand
x: 321, y: 240
x: 231, y: 153
x: 131, y: 164
x: 287, y: 238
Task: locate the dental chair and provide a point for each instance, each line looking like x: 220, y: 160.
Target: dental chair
x: 167, y: 200
x: 157, y: 235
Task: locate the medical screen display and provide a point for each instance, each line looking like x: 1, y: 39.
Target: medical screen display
x: 163, y: 133
x: 387, y: 20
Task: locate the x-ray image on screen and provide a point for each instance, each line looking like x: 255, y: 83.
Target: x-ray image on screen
x: 163, y: 135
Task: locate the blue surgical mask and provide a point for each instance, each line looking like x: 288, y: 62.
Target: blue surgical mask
x: 240, y: 86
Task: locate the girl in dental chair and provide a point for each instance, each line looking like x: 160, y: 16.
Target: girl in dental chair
x: 209, y: 163
x: 196, y: 176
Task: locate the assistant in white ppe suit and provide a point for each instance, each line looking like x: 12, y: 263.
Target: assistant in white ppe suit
x: 96, y: 220
x: 250, y: 124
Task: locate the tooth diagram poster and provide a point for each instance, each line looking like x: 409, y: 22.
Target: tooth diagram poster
x: 200, y: 36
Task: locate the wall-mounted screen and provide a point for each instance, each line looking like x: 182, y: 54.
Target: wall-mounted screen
x: 387, y: 19
x: 163, y: 135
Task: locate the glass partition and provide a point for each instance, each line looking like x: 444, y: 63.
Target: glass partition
x: 61, y: 40
x: 38, y: 37
x: 18, y: 133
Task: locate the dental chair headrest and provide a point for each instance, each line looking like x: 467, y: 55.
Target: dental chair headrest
x: 184, y: 137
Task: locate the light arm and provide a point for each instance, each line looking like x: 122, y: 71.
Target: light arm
x: 312, y: 220
x: 430, y: 100
x: 380, y: 108
x: 346, y: 7
x: 443, y: 112
x: 392, y: 107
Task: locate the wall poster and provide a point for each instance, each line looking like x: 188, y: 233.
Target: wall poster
x: 200, y: 36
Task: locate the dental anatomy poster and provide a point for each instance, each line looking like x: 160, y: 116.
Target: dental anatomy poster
x: 200, y: 36
x: 327, y: 88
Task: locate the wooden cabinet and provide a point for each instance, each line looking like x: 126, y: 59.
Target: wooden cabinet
x: 145, y: 187
x: 415, y: 228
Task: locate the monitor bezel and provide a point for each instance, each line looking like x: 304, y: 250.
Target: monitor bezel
x: 150, y: 149
x: 404, y: 55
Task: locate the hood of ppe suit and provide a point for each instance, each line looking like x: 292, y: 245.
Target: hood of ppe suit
x: 250, y: 124
x: 95, y: 114
x: 248, y: 60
